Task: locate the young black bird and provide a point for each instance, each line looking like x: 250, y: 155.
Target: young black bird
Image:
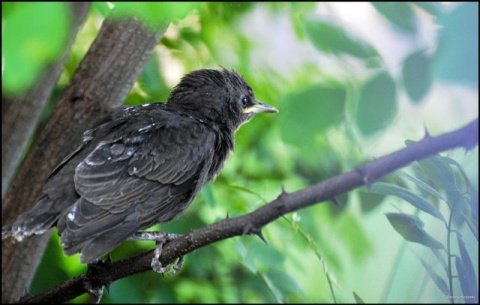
x: 140, y: 166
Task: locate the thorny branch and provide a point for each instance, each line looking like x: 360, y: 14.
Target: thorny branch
x: 252, y: 223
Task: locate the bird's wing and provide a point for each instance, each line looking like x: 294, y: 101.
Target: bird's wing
x: 148, y: 175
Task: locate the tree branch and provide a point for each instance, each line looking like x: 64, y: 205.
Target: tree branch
x: 252, y: 223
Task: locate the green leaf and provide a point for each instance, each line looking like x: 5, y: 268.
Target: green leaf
x: 102, y: 7
x: 208, y: 194
x: 330, y: 37
x: 283, y: 282
x: 437, y: 279
x: 377, y: 104
x: 416, y: 201
x: 472, y: 218
x: 247, y: 261
x: 154, y: 13
x: 416, y: 74
x: 257, y: 256
x: 248, y: 191
x: 442, y: 175
x: 309, y: 112
x: 440, y: 170
x: 466, y: 273
x: 411, y: 228
x: 370, y: 201
x: 152, y: 82
x: 398, y: 13
x: 34, y: 34
x: 456, y: 58
x: 422, y: 185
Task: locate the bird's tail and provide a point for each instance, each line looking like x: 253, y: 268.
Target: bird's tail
x: 33, y: 222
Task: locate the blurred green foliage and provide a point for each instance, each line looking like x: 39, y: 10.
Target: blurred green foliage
x: 342, y: 101
x: 35, y: 34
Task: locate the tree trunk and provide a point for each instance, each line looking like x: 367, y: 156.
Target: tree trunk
x: 102, y: 80
x: 21, y: 115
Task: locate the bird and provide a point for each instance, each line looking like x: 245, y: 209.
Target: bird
x: 141, y: 165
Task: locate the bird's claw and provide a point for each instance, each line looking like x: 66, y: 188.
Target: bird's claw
x: 97, y: 292
x: 156, y: 264
x: 93, y: 287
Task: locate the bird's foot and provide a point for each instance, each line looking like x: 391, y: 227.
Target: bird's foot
x: 170, y: 269
x: 91, y: 283
x: 161, y: 238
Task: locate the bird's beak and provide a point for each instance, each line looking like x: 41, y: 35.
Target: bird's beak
x: 258, y: 107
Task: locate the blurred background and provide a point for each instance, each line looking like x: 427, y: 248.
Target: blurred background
x: 353, y: 82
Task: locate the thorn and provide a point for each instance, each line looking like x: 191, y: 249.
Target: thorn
x: 283, y: 191
x: 362, y: 171
x: 189, y: 238
x: 260, y: 234
x: 228, y: 216
x: 249, y: 229
x: 246, y: 229
x: 427, y: 134
x: 336, y: 202
x: 369, y: 184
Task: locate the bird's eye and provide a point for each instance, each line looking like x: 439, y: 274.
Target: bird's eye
x: 244, y: 101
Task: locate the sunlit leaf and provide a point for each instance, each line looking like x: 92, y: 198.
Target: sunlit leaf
x: 416, y: 74
x: 416, y: 201
x: 309, y: 112
x: 411, y: 228
x: 154, y: 13
x: 34, y: 34
x: 377, y: 104
x: 330, y: 37
x: 102, y: 7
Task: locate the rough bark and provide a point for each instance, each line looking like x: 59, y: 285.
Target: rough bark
x: 102, y: 80
x: 20, y: 115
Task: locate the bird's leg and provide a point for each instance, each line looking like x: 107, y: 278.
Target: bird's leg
x: 91, y: 283
x: 160, y: 238
x: 155, y: 236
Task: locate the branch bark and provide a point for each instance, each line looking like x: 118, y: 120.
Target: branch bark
x: 21, y: 115
x: 102, y: 80
x: 252, y: 223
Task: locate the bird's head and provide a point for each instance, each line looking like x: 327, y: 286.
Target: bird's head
x: 217, y: 96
